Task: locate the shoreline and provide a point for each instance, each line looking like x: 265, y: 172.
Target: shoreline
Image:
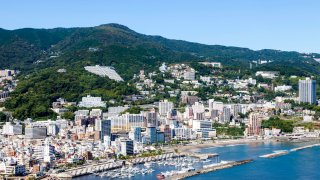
x: 192, y: 148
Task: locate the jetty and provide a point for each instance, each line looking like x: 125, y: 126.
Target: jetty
x: 275, y: 154
x: 304, y: 147
x: 208, y: 169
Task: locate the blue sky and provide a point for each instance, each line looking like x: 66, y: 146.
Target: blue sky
x: 256, y: 24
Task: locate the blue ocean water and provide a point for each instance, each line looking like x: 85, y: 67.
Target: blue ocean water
x: 304, y: 164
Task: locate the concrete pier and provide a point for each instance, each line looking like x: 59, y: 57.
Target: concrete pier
x: 209, y: 169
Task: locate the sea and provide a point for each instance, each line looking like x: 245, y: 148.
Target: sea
x: 300, y: 165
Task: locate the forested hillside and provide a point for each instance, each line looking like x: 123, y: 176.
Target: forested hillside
x: 39, y: 53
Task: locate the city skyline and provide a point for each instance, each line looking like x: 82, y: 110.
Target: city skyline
x: 119, y: 90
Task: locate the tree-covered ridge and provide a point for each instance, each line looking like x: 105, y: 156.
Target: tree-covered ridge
x: 117, y: 45
x: 35, y: 93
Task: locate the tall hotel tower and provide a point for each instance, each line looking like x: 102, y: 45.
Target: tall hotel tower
x: 307, y: 91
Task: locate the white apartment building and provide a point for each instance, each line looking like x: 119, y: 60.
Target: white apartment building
x: 165, y: 107
x: 182, y: 133
x: 90, y: 102
x: 96, y: 113
x: 10, y: 129
x: 201, y: 124
x: 307, y: 91
x: 283, y: 88
x: 215, y: 105
x: 126, y: 121
x: 225, y: 115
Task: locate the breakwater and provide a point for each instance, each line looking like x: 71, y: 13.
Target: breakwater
x: 208, y: 169
x: 284, y: 152
x: 304, y: 147
x: 275, y: 154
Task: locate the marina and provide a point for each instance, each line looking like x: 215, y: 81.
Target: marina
x: 179, y: 164
x: 213, y: 168
x: 125, y: 172
x: 118, y: 166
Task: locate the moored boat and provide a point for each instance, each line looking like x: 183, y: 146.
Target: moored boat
x: 160, y: 176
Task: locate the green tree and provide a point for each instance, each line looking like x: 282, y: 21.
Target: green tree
x: 68, y: 115
x: 3, y: 117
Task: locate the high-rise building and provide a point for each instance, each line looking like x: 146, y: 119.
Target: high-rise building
x: 48, y: 152
x: 165, y: 107
x: 210, y: 103
x: 105, y: 129
x: 126, y: 147
x: 135, y: 134
x: 182, y: 133
x: 167, y: 132
x: 188, y: 112
x: 35, y: 132
x: 107, y: 141
x: 198, y: 111
x: 52, y: 129
x: 190, y: 100
x: 126, y: 121
x: 151, y: 118
x: 134, y: 120
x: 152, y: 134
x: 97, y: 124
x: 214, y: 114
x: 307, y: 91
x: 254, y: 127
x: 237, y: 108
x: 160, y: 137
x: 226, y: 115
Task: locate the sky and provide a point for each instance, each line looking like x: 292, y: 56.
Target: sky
x: 255, y: 24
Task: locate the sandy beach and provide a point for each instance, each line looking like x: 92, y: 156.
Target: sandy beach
x: 195, y: 146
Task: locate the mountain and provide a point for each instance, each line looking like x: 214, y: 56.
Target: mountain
x: 39, y: 53
x: 129, y: 51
